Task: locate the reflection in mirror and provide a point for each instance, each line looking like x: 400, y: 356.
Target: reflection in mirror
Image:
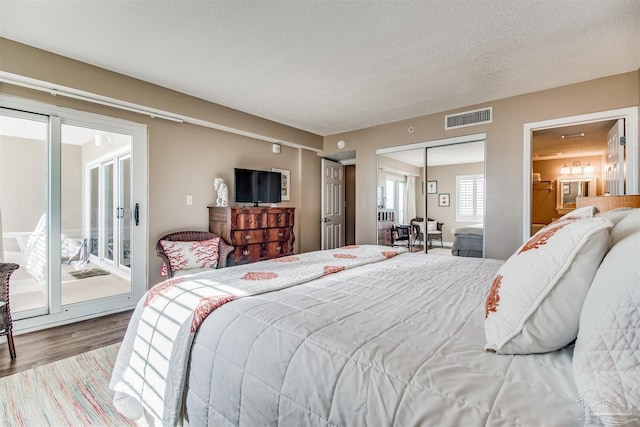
x: 568, y: 190
x: 436, y: 214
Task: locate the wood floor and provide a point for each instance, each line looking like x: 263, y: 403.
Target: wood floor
x: 49, y: 345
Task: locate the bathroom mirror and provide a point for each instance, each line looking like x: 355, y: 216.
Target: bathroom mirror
x: 568, y: 190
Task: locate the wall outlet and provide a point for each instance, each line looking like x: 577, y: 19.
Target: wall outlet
x: 189, y: 199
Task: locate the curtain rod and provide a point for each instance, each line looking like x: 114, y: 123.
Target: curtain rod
x: 42, y: 86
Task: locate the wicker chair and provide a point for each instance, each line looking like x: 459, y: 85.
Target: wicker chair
x: 192, y: 236
x: 432, y: 235
x: 6, y: 323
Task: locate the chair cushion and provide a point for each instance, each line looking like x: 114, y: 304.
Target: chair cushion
x: 190, y: 255
x: 535, y: 302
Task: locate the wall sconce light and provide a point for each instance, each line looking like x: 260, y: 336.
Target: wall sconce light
x: 576, y: 169
x: 589, y: 169
x: 340, y: 144
x: 275, y: 148
x: 565, y: 170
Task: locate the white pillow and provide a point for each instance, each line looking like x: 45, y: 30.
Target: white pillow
x: 535, y: 300
x: 606, y: 358
x: 189, y: 255
x: 432, y: 225
x: 617, y: 215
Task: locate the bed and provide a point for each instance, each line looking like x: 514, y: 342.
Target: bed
x: 377, y: 336
x: 468, y: 241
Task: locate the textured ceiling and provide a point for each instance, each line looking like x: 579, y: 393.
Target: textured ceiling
x: 330, y: 67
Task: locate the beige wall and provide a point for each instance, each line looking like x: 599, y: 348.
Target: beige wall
x: 504, y: 151
x: 183, y: 158
x: 23, y: 185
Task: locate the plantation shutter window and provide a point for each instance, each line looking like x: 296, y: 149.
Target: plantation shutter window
x: 469, y: 197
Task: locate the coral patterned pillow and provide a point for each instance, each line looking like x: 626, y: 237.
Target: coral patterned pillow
x: 188, y: 255
x: 535, y: 301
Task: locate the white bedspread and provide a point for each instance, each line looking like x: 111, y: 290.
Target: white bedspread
x: 150, y: 370
x: 393, y: 343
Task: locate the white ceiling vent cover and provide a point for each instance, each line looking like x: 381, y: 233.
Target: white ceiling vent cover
x: 468, y: 118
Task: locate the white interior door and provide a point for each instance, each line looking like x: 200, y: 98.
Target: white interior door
x: 332, y: 216
x: 615, y: 172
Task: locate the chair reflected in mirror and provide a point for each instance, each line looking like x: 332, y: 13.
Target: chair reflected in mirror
x: 401, y: 235
x: 432, y: 229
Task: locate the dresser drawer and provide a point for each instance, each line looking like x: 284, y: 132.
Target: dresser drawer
x: 249, y: 221
x: 279, y: 219
x: 275, y: 234
x: 247, y: 253
x: 247, y: 237
x: 276, y: 249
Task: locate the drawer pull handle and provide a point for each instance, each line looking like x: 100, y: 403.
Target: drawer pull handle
x: 279, y: 248
x: 280, y: 234
x: 247, y: 237
x: 279, y: 218
x: 250, y: 221
x: 245, y: 252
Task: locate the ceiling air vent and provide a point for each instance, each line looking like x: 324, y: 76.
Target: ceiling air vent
x: 468, y: 118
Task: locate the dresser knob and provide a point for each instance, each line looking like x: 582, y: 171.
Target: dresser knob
x: 280, y: 234
x: 250, y: 221
x: 279, y: 218
x: 279, y: 248
x: 247, y: 237
x: 245, y: 252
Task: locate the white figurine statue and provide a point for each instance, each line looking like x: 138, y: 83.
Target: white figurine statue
x: 223, y: 192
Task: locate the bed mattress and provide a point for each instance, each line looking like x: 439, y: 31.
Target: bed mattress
x: 398, y: 342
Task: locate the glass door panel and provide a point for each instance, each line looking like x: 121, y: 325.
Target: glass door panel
x: 23, y: 209
x: 90, y: 194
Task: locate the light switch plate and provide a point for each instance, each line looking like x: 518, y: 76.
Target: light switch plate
x: 189, y: 199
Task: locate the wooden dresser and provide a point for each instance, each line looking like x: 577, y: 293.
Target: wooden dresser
x: 257, y: 233
x: 386, y: 218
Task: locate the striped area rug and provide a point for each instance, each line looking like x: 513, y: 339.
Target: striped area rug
x: 70, y: 392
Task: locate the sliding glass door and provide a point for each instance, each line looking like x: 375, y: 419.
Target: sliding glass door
x: 67, y: 187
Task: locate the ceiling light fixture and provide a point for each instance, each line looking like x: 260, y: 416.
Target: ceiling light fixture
x: 574, y: 135
x: 101, y: 140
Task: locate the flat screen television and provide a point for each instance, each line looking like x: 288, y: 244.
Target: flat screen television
x: 255, y: 186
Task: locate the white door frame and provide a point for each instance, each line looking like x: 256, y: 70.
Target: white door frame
x: 630, y: 115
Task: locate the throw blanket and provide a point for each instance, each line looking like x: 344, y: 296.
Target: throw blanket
x: 150, y: 370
